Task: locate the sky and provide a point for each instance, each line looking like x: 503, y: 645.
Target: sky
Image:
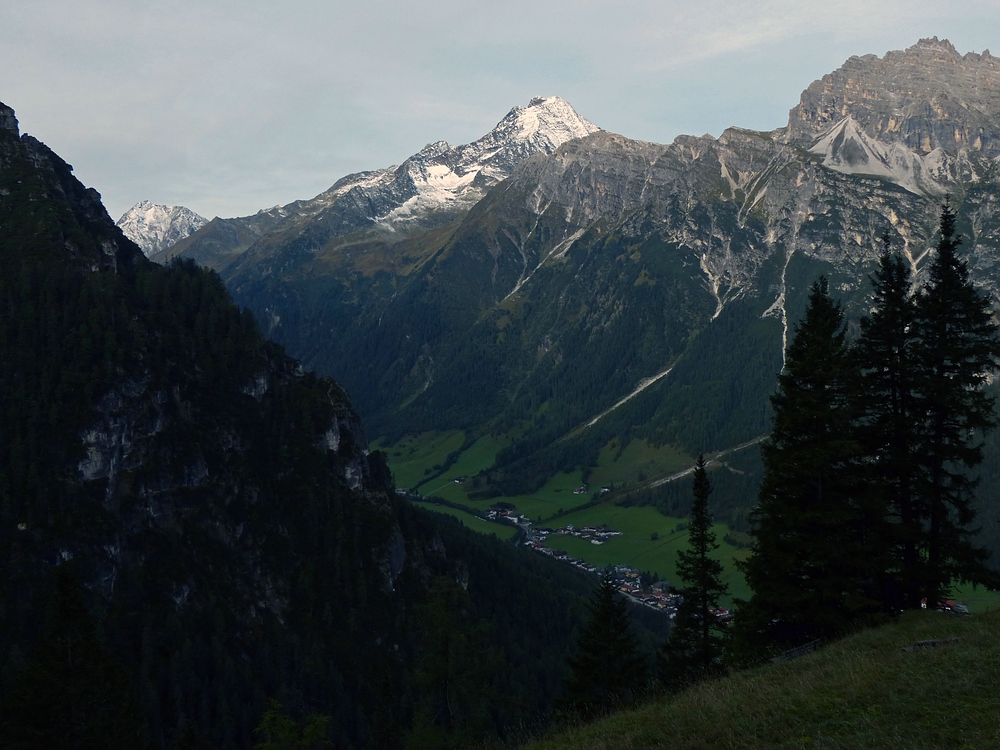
x: 229, y: 107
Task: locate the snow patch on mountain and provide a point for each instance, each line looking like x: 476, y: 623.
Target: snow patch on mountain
x: 155, y: 227
x: 442, y: 177
x: 846, y: 148
x: 445, y: 176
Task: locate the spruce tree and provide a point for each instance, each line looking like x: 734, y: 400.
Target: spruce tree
x: 807, y: 573
x: 957, y: 348
x: 607, y: 671
x: 694, y: 650
x: 888, y: 430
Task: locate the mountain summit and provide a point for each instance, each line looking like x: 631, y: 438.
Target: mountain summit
x: 440, y: 175
x: 154, y: 227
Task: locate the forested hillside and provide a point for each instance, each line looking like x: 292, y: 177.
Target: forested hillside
x: 193, y: 530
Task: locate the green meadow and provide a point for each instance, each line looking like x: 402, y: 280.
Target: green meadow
x: 501, y: 530
x: 413, y: 458
x: 649, y: 541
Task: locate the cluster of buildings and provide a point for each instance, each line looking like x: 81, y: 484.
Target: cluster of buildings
x: 627, y: 579
x: 657, y: 595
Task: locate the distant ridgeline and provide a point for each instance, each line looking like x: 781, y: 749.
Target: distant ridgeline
x: 541, y: 293
x: 192, y: 526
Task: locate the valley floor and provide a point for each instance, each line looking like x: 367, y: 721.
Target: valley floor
x: 648, y: 540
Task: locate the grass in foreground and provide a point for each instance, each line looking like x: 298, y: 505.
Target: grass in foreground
x: 862, y: 692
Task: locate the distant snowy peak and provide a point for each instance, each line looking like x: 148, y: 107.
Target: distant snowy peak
x: 445, y: 177
x: 541, y: 127
x: 846, y: 148
x: 154, y: 227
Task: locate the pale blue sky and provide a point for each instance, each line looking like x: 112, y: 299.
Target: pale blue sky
x: 228, y: 107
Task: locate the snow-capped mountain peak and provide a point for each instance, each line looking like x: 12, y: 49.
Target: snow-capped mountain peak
x: 155, y: 227
x: 553, y: 119
x: 435, y: 186
x: 442, y: 176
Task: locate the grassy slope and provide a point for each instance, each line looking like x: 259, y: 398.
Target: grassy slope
x: 863, y: 692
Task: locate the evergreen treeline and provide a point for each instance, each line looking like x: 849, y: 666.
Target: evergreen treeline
x: 866, y: 501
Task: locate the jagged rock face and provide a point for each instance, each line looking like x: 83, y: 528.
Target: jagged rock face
x: 926, y: 97
x: 774, y: 193
x: 154, y: 227
x: 8, y: 121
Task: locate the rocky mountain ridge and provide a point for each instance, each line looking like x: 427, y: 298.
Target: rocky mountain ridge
x: 926, y: 97
x: 434, y: 186
x: 206, y: 518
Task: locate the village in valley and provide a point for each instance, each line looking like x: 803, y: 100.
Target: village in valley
x: 630, y: 582
x: 638, y: 586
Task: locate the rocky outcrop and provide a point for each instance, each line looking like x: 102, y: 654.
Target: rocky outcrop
x: 8, y: 121
x: 925, y: 97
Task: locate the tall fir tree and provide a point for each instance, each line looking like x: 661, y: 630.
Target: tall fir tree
x: 957, y: 348
x: 694, y: 650
x: 607, y: 670
x: 807, y: 573
x: 888, y: 430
